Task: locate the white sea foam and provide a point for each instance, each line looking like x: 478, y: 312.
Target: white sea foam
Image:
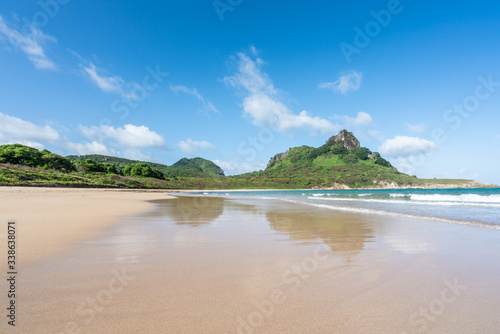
x: 397, y: 214
x: 464, y: 198
x: 409, y: 202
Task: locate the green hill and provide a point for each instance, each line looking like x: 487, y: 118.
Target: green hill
x: 197, y: 167
x: 340, y: 162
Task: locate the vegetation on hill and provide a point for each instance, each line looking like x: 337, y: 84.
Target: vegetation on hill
x: 339, y: 163
x: 331, y: 165
x: 28, y: 156
x: 142, y: 169
x: 196, y: 167
x: 200, y: 165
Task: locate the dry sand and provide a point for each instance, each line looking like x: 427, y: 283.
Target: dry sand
x: 50, y: 219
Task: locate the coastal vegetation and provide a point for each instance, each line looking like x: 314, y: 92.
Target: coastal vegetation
x: 338, y: 164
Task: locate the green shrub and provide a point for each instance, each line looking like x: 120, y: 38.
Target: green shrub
x: 20, y: 155
x: 142, y: 169
x: 339, y: 148
x: 382, y: 162
x: 361, y: 153
x: 54, y: 161
x: 110, y: 168
x: 90, y: 165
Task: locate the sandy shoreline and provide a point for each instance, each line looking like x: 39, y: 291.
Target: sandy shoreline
x: 51, y: 219
x: 219, y: 265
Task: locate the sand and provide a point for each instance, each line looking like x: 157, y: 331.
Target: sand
x: 50, y: 219
x: 216, y: 265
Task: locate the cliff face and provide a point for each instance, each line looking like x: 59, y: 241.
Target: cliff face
x: 350, y: 142
x: 276, y: 158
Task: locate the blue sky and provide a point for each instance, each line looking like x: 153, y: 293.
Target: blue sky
x: 238, y: 81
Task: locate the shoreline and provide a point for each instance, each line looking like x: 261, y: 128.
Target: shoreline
x: 364, y: 211
x: 51, y: 220
x: 493, y: 186
x: 267, y: 260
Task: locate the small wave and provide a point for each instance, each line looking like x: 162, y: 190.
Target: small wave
x: 398, y: 195
x: 407, y: 202
x: 464, y: 198
x: 397, y: 214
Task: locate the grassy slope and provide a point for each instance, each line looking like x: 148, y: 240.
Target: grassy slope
x: 199, y: 165
x: 176, y: 170
x: 302, y: 169
x: 17, y: 175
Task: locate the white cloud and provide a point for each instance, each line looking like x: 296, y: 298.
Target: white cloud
x: 253, y: 50
x: 136, y: 154
x: 15, y: 130
x: 363, y: 119
x: 90, y: 148
x: 348, y: 82
x: 236, y: 168
x: 208, y: 106
x: 415, y: 127
x: 129, y: 135
x: 403, y: 146
x: 111, y: 83
x: 192, y: 147
x: 31, y: 44
x: 361, y: 125
x: 261, y: 103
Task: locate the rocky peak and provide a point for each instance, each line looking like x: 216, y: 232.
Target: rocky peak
x: 347, y: 137
x: 276, y: 158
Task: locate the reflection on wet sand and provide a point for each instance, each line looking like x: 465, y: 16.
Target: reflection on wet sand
x: 339, y: 232
x: 192, y: 211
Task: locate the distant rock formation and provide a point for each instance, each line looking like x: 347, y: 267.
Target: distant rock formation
x: 276, y: 158
x: 350, y: 142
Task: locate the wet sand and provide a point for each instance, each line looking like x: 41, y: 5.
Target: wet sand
x: 215, y: 265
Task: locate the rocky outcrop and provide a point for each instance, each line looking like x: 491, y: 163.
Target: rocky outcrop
x: 276, y: 158
x: 350, y: 142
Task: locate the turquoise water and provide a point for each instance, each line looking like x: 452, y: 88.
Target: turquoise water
x: 479, y: 207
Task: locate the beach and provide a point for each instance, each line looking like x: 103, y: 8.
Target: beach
x: 50, y: 219
x: 206, y: 264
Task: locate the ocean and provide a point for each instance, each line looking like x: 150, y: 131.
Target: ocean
x: 479, y: 207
